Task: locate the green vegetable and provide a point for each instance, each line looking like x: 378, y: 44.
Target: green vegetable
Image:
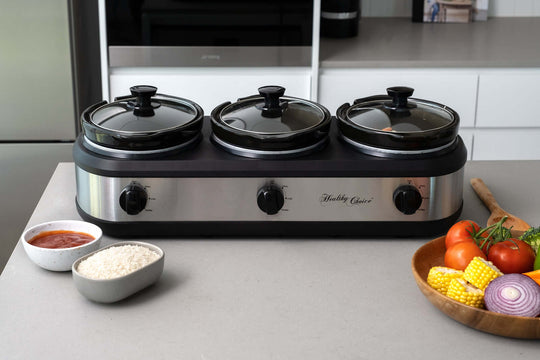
x: 532, y: 237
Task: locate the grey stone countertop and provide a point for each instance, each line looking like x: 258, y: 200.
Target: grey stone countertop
x: 265, y: 299
x: 400, y: 43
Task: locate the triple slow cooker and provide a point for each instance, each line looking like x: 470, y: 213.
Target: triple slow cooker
x: 149, y: 164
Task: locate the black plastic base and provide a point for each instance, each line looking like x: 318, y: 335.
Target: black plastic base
x: 336, y: 159
x: 339, y: 28
x: 296, y: 229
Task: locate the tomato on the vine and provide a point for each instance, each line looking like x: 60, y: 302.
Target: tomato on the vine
x: 484, y: 242
x: 512, y: 256
x: 458, y: 256
x: 462, y: 231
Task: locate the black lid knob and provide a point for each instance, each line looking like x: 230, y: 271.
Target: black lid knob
x: 399, y: 95
x: 143, y: 105
x: 272, y: 106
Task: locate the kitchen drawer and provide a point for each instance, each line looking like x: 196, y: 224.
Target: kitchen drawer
x: 456, y: 89
x: 508, y: 98
x: 506, y: 144
x: 211, y: 87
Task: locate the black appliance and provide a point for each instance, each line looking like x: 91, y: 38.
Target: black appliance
x: 339, y: 18
x: 209, y: 33
x: 269, y: 164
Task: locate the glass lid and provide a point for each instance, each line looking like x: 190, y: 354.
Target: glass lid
x: 272, y: 114
x: 144, y: 112
x: 400, y: 115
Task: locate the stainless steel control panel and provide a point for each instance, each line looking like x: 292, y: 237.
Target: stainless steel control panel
x: 269, y: 199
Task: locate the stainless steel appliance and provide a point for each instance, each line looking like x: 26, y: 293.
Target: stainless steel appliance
x: 209, y: 33
x: 267, y: 165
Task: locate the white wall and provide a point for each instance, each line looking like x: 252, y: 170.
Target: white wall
x: 403, y: 8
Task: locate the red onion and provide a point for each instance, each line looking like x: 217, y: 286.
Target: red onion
x: 513, y: 294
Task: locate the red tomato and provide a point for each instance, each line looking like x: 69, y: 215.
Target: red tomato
x: 484, y: 242
x: 460, y: 255
x: 512, y: 256
x: 461, y: 232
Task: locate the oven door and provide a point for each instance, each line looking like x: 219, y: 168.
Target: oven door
x: 209, y: 33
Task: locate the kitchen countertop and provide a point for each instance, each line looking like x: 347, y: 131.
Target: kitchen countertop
x: 400, y: 43
x: 263, y: 299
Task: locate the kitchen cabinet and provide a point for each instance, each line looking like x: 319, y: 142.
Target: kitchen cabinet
x: 507, y: 124
x: 508, y: 99
x: 506, y: 144
x: 210, y: 87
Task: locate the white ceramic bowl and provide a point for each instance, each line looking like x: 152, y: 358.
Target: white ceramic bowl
x: 60, y: 259
x: 116, y: 289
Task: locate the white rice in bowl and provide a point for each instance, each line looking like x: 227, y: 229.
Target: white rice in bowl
x: 116, y: 261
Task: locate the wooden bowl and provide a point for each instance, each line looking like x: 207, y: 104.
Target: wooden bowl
x: 432, y: 254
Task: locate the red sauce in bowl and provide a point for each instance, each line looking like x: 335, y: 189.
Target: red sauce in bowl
x: 60, y: 239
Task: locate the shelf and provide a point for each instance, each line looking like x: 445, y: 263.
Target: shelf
x: 400, y: 43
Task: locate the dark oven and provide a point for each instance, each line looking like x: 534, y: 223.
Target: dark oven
x: 209, y: 33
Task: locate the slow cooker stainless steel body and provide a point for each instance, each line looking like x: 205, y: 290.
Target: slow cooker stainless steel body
x: 207, y: 191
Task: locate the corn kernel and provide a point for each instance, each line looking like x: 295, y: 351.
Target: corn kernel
x: 462, y: 291
x: 439, y: 277
x: 481, y: 272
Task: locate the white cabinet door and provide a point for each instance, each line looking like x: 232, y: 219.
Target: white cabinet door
x: 508, y: 98
x: 467, y: 136
x: 456, y: 89
x: 211, y: 87
x: 506, y: 144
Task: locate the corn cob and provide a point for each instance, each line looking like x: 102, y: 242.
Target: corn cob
x: 481, y: 272
x: 439, y: 277
x: 462, y: 291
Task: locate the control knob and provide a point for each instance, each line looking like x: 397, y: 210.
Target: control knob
x: 270, y: 199
x: 133, y: 199
x: 407, y: 199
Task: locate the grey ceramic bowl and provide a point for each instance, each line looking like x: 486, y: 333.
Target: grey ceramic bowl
x: 113, y: 290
